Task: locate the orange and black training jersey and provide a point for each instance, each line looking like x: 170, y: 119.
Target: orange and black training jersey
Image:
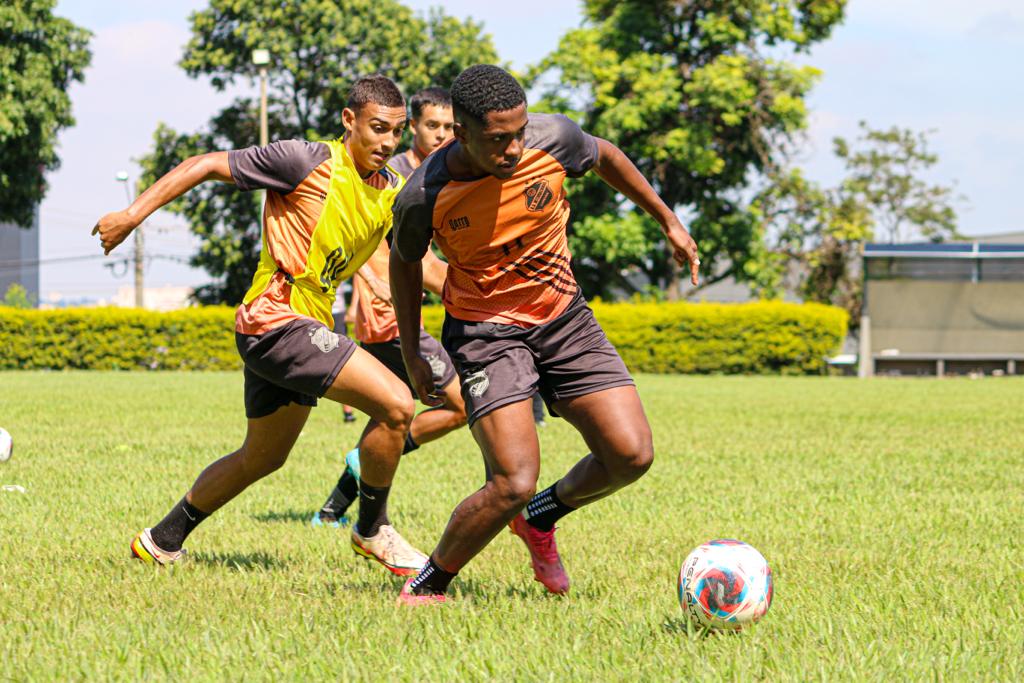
x: 504, y: 239
x: 321, y: 222
x: 375, y: 319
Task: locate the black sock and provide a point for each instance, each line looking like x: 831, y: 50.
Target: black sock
x: 173, y: 529
x: 344, y: 494
x: 373, y: 508
x: 544, y: 509
x: 432, y: 580
x: 410, y: 445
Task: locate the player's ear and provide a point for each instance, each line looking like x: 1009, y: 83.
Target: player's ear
x: 348, y: 119
x: 461, y: 132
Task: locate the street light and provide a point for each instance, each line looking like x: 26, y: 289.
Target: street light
x: 122, y: 177
x: 261, y: 57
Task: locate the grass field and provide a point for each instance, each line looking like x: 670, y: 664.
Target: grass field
x: 891, y: 512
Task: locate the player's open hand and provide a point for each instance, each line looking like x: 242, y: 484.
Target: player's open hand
x: 113, y: 229
x: 422, y: 378
x: 684, y: 250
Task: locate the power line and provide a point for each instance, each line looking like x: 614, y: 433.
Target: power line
x: 13, y: 264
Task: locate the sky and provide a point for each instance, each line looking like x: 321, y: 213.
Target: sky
x: 944, y: 66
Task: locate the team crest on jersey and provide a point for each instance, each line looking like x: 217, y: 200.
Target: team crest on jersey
x: 478, y: 383
x: 538, y: 195
x: 324, y: 339
x: 437, y: 366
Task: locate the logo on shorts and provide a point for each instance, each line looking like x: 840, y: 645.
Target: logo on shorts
x: 538, y: 195
x: 437, y: 366
x: 478, y: 383
x: 324, y: 339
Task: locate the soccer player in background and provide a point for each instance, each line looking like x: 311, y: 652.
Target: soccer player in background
x: 328, y: 206
x: 431, y: 124
x: 341, y: 321
x: 494, y: 202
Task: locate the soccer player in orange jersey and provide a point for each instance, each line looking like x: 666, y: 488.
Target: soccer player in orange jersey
x: 328, y: 206
x: 494, y: 202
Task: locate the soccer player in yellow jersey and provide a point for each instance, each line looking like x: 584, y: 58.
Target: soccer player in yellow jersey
x: 328, y: 206
x: 376, y: 327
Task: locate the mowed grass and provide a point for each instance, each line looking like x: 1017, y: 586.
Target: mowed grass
x: 891, y: 512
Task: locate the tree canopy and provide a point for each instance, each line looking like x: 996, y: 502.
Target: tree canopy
x: 318, y: 49
x: 700, y: 95
x: 41, y: 55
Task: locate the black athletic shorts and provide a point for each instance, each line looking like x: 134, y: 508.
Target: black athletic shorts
x: 390, y: 354
x: 294, y: 363
x: 564, y: 358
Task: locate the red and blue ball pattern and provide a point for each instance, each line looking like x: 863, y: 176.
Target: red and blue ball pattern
x: 725, y: 584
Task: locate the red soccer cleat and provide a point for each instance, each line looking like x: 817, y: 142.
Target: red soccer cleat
x: 547, y: 566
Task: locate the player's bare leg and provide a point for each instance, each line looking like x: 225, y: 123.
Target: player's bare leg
x: 614, y: 427
x: 427, y: 426
x: 368, y: 386
x: 268, y: 441
x: 508, y: 441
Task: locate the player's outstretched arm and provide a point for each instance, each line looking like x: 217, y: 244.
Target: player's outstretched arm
x: 115, y: 227
x: 412, y: 241
x: 617, y: 170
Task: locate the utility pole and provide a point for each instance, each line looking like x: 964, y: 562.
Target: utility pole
x: 122, y: 177
x: 261, y: 58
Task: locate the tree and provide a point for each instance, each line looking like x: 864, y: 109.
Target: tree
x: 40, y: 56
x: 884, y: 175
x: 697, y: 94
x: 319, y: 48
x: 17, y: 296
x: 814, y: 235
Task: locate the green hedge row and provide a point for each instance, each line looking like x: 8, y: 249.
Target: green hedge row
x: 118, y: 339
x: 762, y: 337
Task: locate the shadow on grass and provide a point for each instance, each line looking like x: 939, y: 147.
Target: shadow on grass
x: 679, y: 626
x: 239, y: 561
x: 488, y: 590
x: 300, y: 516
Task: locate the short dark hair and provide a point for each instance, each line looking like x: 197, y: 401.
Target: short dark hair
x: 375, y: 89
x: 429, y: 97
x: 484, y: 88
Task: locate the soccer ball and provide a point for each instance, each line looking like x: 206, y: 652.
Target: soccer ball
x: 6, y: 445
x: 725, y: 584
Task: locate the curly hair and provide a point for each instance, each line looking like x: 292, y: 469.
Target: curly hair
x: 484, y: 88
x: 376, y: 89
x: 436, y: 97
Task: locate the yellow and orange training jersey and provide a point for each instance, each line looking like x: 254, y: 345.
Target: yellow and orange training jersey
x: 505, y: 241
x: 321, y: 222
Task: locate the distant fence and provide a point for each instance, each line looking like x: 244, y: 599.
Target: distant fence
x: 754, y: 338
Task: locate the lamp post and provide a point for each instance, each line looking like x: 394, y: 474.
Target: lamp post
x: 261, y: 58
x: 122, y: 177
